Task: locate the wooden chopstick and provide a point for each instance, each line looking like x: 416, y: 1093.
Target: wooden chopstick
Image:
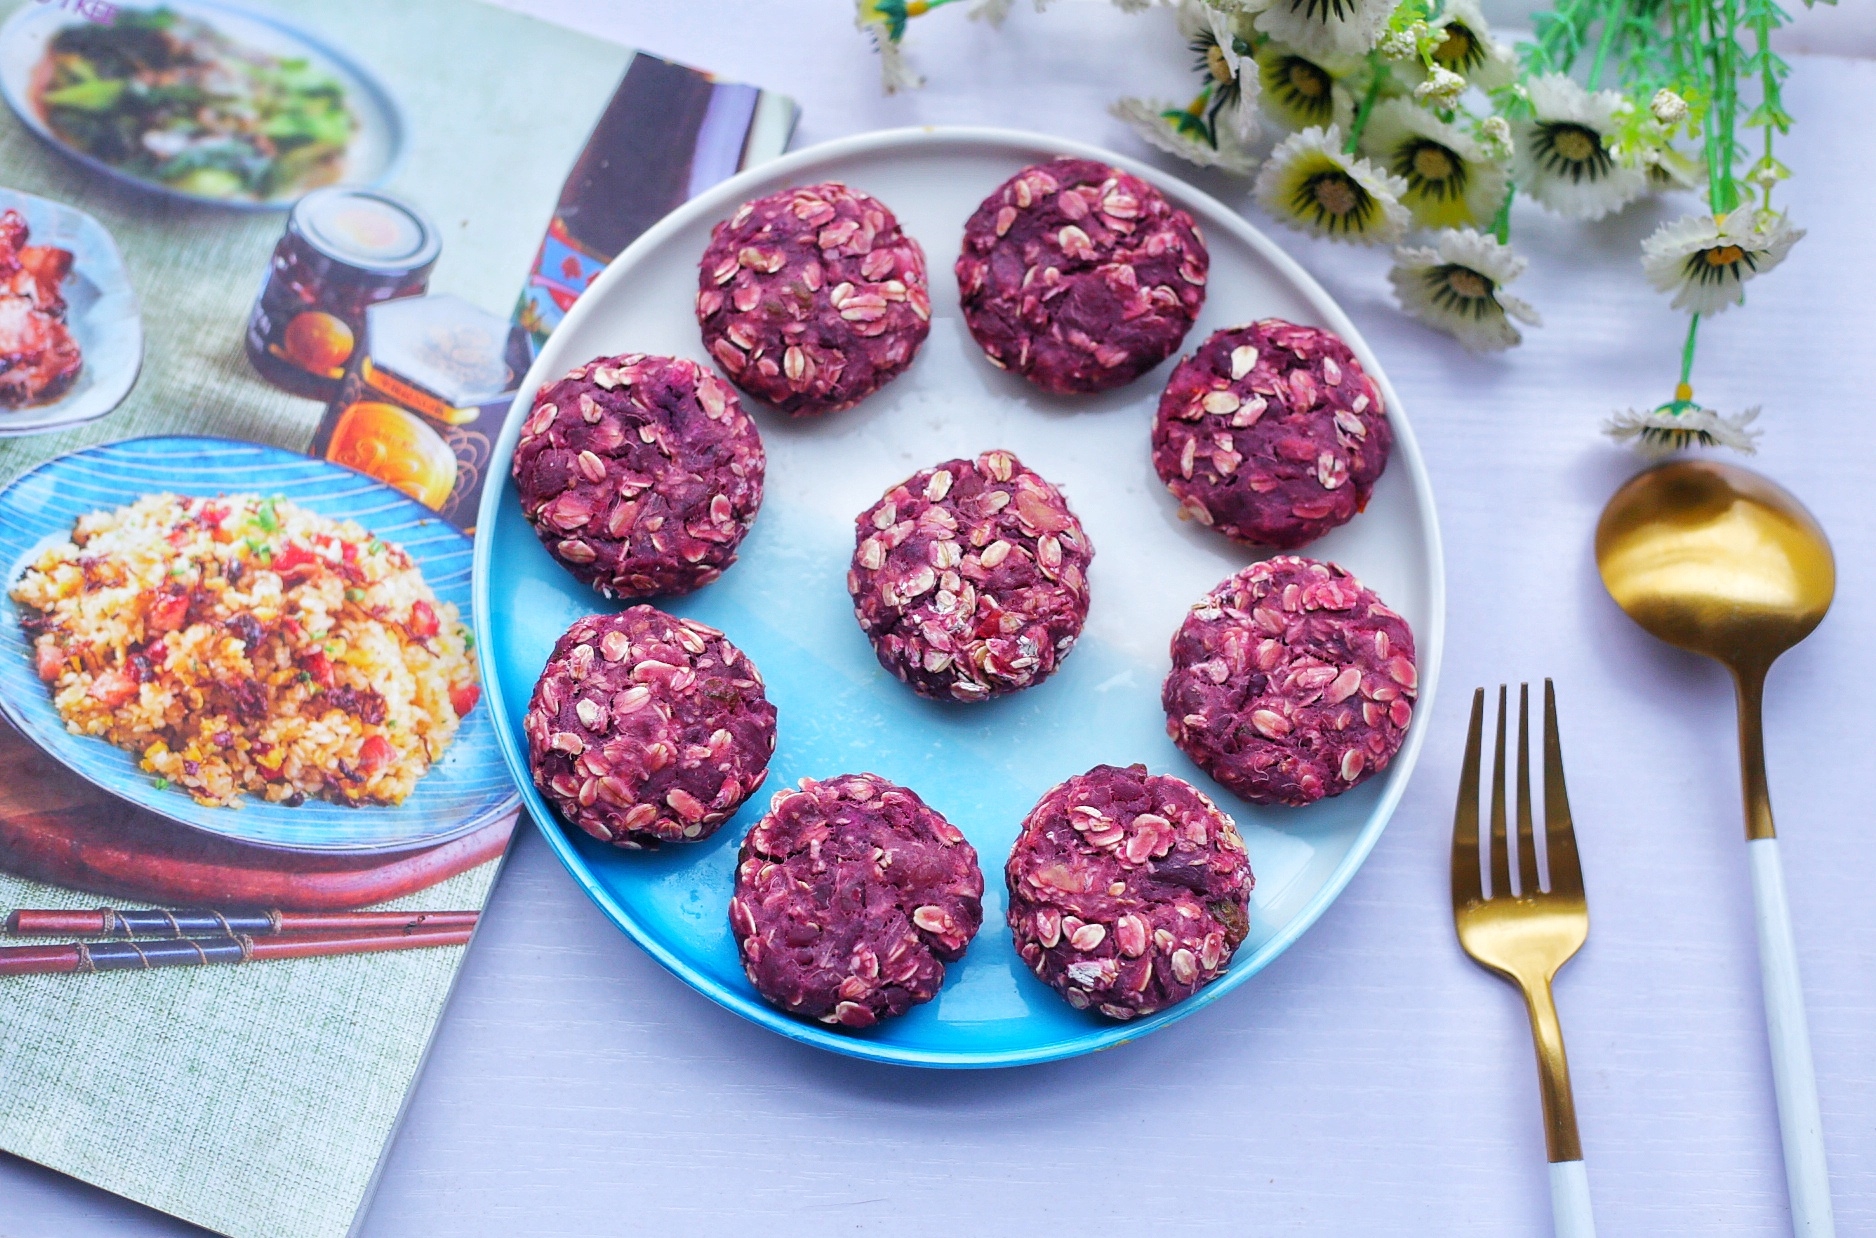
x: 156, y: 922
x: 194, y: 952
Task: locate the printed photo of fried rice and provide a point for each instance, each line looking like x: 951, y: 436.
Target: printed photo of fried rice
x: 244, y: 645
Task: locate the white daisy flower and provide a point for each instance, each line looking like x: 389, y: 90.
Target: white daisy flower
x: 1466, y: 46
x: 1183, y: 132
x: 1457, y: 286
x: 1450, y: 178
x: 885, y: 21
x: 1705, y: 261
x: 1301, y: 92
x: 1662, y: 430
x: 1563, y: 157
x: 1324, y: 27
x: 1224, y: 58
x: 1310, y: 184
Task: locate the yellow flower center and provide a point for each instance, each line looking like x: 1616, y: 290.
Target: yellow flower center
x: 1335, y: 195
x: 1307, y: 80
x: 1723, y: 255
x: 1455, y: 48
x: 1215, y: 61
x: 1576, y: 145
x: 1433, y: 163
x: 1468, y: 284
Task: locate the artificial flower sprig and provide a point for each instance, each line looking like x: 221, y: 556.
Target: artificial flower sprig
x: 1404, y: 123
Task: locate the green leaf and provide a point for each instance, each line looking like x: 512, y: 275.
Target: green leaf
x: 100, y: 94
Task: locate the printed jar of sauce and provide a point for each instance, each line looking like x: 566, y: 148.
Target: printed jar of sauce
x: 423, y: 401
x: 344, y: 251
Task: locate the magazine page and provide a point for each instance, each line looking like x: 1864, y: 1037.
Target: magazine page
x: 270, y: 277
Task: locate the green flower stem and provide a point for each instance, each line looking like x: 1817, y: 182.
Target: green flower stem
x: 1501, y: 222
x: 1377, y: 78
x: 1687, y: 350
x: 1612, y: 13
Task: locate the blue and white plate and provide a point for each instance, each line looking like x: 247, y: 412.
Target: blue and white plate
x: 785, y: 603
x: 100, y: 310
x: 372, y: 155
x: 465, y: 790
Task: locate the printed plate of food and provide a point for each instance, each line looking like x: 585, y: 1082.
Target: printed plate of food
x: 249, y: 642
x: 71, y: 340
x: 959, y: 597
x: 197, y: 99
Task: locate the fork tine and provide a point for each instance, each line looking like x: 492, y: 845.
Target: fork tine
x: 1501, y: 851
x: 1527, y: 845
x: 1566, y: 874
x: 1466, y: 887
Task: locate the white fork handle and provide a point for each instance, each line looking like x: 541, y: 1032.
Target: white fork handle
x: 1800, y: 1124
x: 1569, y: 1200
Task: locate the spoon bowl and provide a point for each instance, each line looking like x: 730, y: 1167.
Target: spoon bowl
x: 1716, y: 560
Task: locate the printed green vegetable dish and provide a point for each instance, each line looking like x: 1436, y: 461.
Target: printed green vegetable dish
x: 172, y: 100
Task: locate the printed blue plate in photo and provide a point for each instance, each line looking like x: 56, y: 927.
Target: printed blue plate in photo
x: 785, y: 604
x: 370, y: 157
x: 468, y: 788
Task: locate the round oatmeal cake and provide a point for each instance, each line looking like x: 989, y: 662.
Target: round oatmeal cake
x: 1290, y: 682
x: 1129, y: 891
x: 1271, y: 433
x: 243, y: 645
x: 970, y: 578
x: 645, y: 728
x: 640, y: 474
x: 813, y: 298
x: 851, y: 896
x: 1080, y: 277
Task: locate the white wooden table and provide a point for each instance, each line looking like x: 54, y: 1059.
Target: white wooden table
x: 1372, y: 1081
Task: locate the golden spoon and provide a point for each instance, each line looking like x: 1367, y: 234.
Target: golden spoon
x: 1721, y: 562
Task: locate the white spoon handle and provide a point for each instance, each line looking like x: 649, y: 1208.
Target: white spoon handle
x: 1793, y: 1077
x: 1569, y: 1201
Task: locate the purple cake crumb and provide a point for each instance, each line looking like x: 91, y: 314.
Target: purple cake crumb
x: 1290, y: 681
x: 970, y: 578
x: 640, y: 474
x: 646, y: 728
x: 812, y: 299
x: 1080, y: 277
x: 851, y: 896
x: 1271, y: 434
x: 1129, y: 891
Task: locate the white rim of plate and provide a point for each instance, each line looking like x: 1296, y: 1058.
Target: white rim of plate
x: 720, y: 200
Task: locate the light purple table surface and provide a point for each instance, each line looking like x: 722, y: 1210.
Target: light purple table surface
x: 1372, y: 1081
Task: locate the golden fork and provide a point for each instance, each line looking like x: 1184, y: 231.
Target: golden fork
x: 1527, y: 935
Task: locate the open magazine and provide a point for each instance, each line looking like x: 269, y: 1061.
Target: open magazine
x: 271, y: 273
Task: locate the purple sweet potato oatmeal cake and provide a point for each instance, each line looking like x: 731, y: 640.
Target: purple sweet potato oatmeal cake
x: 645, y: 728
x: 1290, y: 682
x: 851, y: 896
x: 640, y: 474
x: 813, y: 298
x: 1080, y: 277
x: 1129, y: 891
x: 970, y: 578
x: 1271, y: 434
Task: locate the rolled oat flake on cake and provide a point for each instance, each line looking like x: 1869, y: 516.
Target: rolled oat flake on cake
x: 1291, y: 682
x: 813, y: 298
x: 1129, y: 891
x: 1271, y: 433
x: 970, y: 578
x: 851, y: 896
x: 1079, y: 276
x: 640, y: 474
x: 645, y: 728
